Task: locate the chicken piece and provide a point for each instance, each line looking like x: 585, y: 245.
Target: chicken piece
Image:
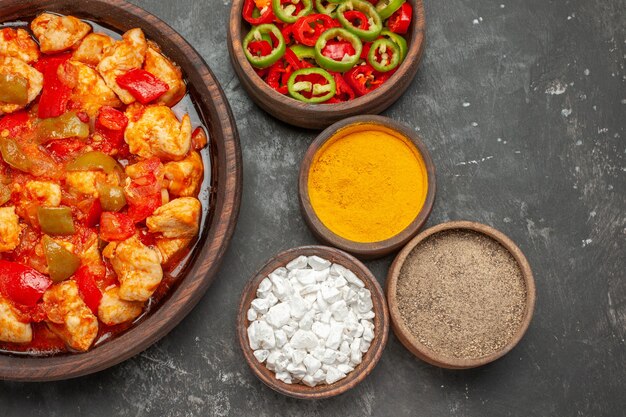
x: 178, y: 218
x: 12, y: 328
x: 113, y: 310
x: 170, y: 74
x: 57, y: 33
x: 17, y: 43
x: 43, y: 192
x: 18, y: 68
x: 171, y: 249
x: 91, y: 49
x: 123, y: 56
x: 137, y: 266
x: 89, y: 91
x: 10, y: 229
x: 87, y: 182
x: 69, y: 317
x: 155, y: 131
x: 185, y: 176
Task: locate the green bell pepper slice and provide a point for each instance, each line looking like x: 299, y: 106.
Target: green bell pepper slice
x: 375, y: 25
x: 388, y: 63
x: 303, y: 52
x: 68, y: 125
x: 286, y: 15
x: 112, y: 198
x: 256, y: 33
x: 13, y: 89
x: 295, y: 87
x: 386, y: 8
x: 94, y: 160
x: 331, y: 64
x: 398, y: 40
x: 13, y: 155
x: 56, y: 220
x: 61, y: 263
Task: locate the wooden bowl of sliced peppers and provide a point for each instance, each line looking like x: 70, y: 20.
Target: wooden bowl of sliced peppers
x: 311, y: 63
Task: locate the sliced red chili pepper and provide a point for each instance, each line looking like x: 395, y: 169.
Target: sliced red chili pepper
x: 358, y: 19
x: 116, y: 226
x: 308, y: 28
x: 54, y: 94
x: 287, y: 32
x: 89, y: 292
x: 260, y: 48
x: 110, y: 124
x: 248, y: 9
x: 144, y: 86
x: 363, y: 79
x: 15, y: 123
x: 63, y: 149
x: 336, y: 50
x: 275, y: 79
x: 343, y: 91
x: 292, y: 59
x: 22, y: 284
x: 366, y: 49
x: 400, y: 20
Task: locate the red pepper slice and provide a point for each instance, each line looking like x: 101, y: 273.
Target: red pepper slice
x: 308, y: 28
x: 116, y: 226
x: 275, y: 77
x: 22, y: 284
x: 343, y: 90
x: 358, y: 19
x: 287, y: 33
x: 363, y: 79
x: 336, y: 50
x: 292, y: 59
x: 94, y: 212
x: 63, y: 149
x: 110, y: 124
x: 143, y: 196
x: 400, y: 20
x: 144, y: 86
x: 260, y: 48
x: 15, y: 123
x: 87, y: 288
x: 248, y: 10
x: 54, y: 94
x: 366, y: 50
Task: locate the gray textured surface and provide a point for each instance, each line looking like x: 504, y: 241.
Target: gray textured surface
x: 539, y: 154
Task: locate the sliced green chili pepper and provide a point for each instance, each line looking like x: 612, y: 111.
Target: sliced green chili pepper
x: 386, y: 8
x: 112, y: 198
x: 387, y: 63
x: 13, y: 89
x: 374, y: 21
x: 331, y: 64
x: 257, y: 33
x: 13, y: 155
x: 61, y: 263
x: 398, y: 40
x: 303, y: 52
x: 56, y: 220
x: 68, y: 125
x: 295, y: 87
x: 330, y: 8
x: 91, y: 161
x: 286, y: 14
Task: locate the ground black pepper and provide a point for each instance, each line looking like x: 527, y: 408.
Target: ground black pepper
x: 461, y: 294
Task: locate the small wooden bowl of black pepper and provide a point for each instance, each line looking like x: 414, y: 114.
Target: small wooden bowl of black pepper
x: 460, y: 295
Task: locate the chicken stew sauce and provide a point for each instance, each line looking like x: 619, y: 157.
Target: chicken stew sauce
x: 102, y: 160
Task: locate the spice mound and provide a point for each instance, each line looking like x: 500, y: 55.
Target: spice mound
x: 461, y: 294
x: 312, y: 321
x: 367, y: 183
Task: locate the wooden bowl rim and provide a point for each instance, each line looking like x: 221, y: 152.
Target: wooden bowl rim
x: 370, y: 359
x: 373, y: 249
x: 402, y: 331
x: 319, y: 112
x: 217, y: 116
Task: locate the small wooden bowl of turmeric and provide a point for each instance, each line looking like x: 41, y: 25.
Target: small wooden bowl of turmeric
x: 367, y: 185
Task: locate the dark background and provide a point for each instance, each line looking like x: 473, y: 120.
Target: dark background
x: 539, y: 153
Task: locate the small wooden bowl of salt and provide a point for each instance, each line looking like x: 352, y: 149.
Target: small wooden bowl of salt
x: 307, y: 344
x: 461, y: 294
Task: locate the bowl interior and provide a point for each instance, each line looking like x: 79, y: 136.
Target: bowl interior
x: 381, y: 324
x: 402, y: 331
x: 374, y: 249
x: 220, y: 191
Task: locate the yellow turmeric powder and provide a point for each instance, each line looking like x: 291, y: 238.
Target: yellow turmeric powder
x: 367, y: 183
